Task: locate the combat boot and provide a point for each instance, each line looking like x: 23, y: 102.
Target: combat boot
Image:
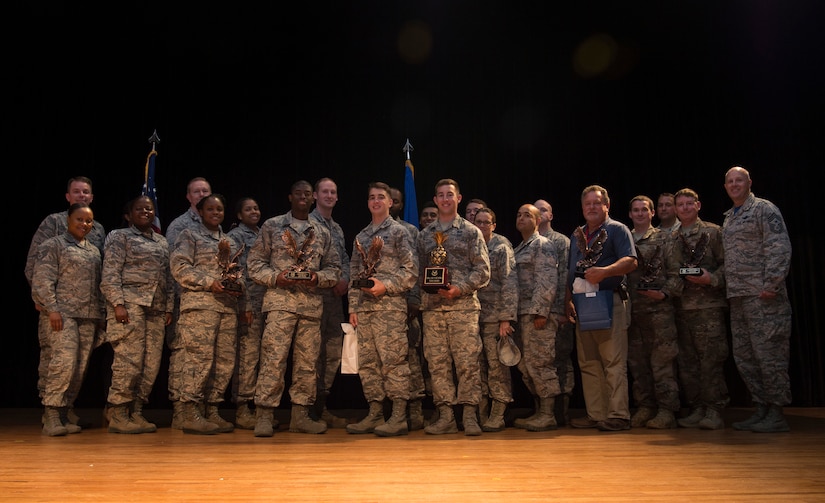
x: 495, y: 421
x: 244, y: 417
x: 120, y: 421
x: 64, y: 418
x: 300, y: 422
x: 193, y: 422
x: 692, y: 420
x: 137, y: 417
x: 397, y: 424
x: 374, y: 419
x: 213, y: 415
x: 758, y: 415
x: 416, y: 415
x: 469, y: 420
x: 642, y: 416
x: 544, y: 420
x: 52, y: 426
x: 445, y: 423
x: 664, y: 420
x: 773, y: 422
x: 319, y: 411
x: 177, y: 415
x: 522, y: 421
x: 265, y: 423
x: 483, y: 409
x: 712, y: 420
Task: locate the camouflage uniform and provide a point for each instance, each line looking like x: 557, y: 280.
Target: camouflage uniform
x: 758, y: 249
x: 382, y: 321
x: 451, y: 326
x: 565, y: 333
x: 136, y: 275
x: 418, y: 387
x: 291, y: 311
x: 538, y: 277
x: 66, y: 279
x: 53, y: 225
x: 249, y: 336
x: 190, y: 219
x: 652, y: 336
x: 701, y: 320
x: 499, y: 302
x: 207, y: 328
x: 332, y: 335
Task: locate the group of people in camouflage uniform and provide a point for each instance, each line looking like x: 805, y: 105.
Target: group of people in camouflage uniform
x: 671, y: 290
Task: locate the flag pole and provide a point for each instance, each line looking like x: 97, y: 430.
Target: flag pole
x: 410, y: 199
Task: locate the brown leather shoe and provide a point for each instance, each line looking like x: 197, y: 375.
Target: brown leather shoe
x: 613, y: 424
x: 583, y: 422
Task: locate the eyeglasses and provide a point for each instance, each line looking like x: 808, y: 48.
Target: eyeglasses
x: 480, y: 223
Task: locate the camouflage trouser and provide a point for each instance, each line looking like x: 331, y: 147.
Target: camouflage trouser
x: 137, y: 348
x: 651, y: 359
x: 207, y: 354
x: 417, y: 385
x: 761, y: 346
x: 276, y: 343
x: 538, y: 356
x: 66, y: 366
x: 451, y: 338
x: 703, y: 349
x: 332, y: 340
x: 382, y: 355
x: 245, y: 377
x: 498, y: 379
x: 565, y: 342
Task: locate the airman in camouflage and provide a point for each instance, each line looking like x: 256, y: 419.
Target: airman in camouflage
x: 701, y: 315
x: 293, y: 309
x: 450, y: 315
x: 137, y: 286
x: 499, y: 309
x: 538, y: 280
x: 66, y: 289
x: 384, y: 255
x: 758, y: 252
x: 652, y: 336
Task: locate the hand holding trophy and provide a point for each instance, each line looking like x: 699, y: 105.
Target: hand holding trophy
x: 693, y: 254
x: 436, y: 276
x: 370, y: 260
x: 231, y: 271
x: 590, y: 254
x: 302, y: 256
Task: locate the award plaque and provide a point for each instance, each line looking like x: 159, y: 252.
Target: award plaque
x: 590, y: 254
x: 650, y: 267
x: 231, y: 271
x: 302, y: 256
x: 370, y: 259
x: 693, y: 254
x: 436, y: 275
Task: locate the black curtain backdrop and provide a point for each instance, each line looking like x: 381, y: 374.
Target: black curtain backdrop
x: 515, y: 100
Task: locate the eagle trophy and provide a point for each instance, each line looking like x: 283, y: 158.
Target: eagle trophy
x: 370, y: 259
x: 231, y: 271
x: 590, y: 254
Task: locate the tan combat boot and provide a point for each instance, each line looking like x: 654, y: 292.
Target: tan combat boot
x: 397, y: 424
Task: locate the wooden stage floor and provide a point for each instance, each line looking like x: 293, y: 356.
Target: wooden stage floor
x: 565, y: 465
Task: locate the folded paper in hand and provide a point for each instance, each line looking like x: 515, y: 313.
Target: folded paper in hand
x: 349, y: 353
x: 594, y: 310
